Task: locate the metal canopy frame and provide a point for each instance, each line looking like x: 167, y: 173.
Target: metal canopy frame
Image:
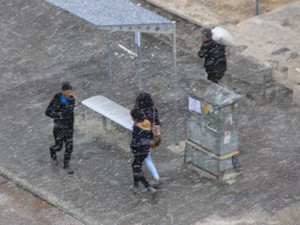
x: 123, y: 15
x: 143, y: 28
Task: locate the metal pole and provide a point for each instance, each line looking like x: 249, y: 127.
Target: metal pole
x: 109, y: 54
x: 175, y: 88
x: 257, y: 7
x: 140, y: 68
x: 138, y: 41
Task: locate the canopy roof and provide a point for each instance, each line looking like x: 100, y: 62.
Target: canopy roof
x: 116, y: 15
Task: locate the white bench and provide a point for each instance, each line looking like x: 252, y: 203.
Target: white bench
x: 110, y: 110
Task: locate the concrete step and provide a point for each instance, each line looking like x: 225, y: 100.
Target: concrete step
x: 254, y: 37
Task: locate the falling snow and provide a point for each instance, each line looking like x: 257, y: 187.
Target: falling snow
x: 43, y: 45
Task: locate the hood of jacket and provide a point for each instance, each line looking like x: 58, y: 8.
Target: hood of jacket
x: 145, y: 125
x: 145, y: 101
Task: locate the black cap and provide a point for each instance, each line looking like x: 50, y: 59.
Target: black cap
x: 66, y: 86
x: 206, y: 32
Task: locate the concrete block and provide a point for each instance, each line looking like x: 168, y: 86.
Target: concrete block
x: 296, y: 94
x: 294, y: 74
x: 293, y: 79
x: 289, y: 84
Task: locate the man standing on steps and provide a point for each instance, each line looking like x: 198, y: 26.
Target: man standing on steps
x: 215, y: 63
x: 61, y: 109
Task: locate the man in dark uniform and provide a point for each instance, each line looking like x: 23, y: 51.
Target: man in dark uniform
x: 61, y: 109
x: 215, y: 63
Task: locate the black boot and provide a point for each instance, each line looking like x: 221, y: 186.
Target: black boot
x: 68, y: 169
x: 53, y: 153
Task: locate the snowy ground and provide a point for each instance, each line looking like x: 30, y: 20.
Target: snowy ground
x: 43, y: 46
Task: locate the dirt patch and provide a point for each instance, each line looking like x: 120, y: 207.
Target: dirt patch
x: 20, y: 207
x: 212, y: 13
x: 241, y: 10
x: 288, y: 215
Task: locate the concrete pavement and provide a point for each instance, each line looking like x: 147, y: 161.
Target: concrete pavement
x: 44, y: 46
x: 20, y: 207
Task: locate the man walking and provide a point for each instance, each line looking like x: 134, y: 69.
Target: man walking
x: 215, y: 63
x: 61, y: 109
